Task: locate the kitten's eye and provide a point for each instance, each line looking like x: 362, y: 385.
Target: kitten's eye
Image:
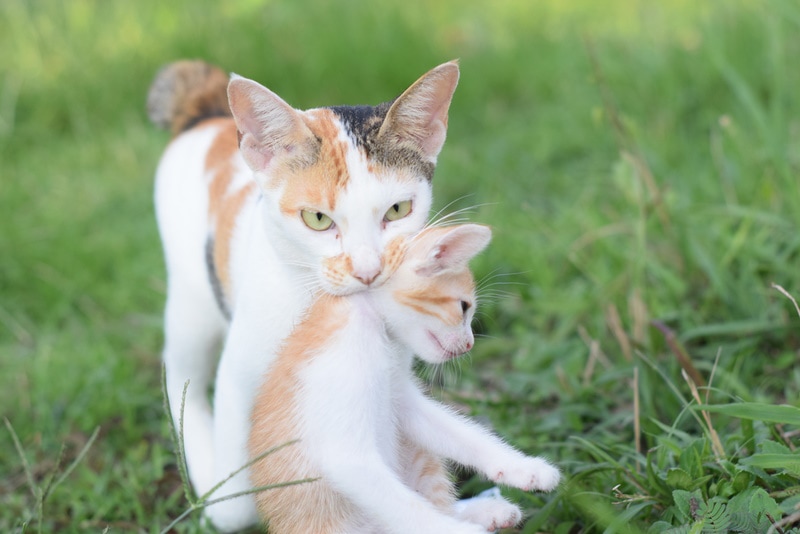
x: 316, y: 220
x: 398, y: 211
x: 465, y: 306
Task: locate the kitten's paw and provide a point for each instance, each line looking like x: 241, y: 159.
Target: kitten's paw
x: 492, y: 513
x: 528, y: 473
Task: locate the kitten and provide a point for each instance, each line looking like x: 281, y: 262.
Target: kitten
x: 343, y: 385
x: 259, y: 207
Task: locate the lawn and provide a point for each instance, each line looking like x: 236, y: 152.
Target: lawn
x: 638, y: 162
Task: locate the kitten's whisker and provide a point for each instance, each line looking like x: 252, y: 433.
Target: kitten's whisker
x: 486, y: 336
x: 494, y: 296
x: 491, y: 279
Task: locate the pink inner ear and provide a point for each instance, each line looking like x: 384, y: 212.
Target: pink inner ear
x: 256, y: 155
x: 267, y: 123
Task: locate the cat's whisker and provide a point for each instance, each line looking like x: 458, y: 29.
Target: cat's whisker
x: 303, y: 265
x: 454, y: 217
x: 447, y: 206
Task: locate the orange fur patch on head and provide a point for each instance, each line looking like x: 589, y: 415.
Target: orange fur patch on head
x: 315, y: 506
x: 438, y: 295
x: 432, y: 301
x: 317, y: 186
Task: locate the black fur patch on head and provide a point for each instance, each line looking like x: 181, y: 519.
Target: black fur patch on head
x: 363, y: 124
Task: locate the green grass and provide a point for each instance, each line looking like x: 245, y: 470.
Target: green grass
x: 636, y: 160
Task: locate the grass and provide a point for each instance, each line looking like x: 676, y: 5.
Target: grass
x: 638, y: 162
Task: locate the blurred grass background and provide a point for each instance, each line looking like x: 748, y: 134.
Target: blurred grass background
x: 637, y: 160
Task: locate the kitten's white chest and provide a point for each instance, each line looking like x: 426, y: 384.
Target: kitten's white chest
x: 352, y: 386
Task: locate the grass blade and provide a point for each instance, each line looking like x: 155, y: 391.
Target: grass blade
x: 768, y: 413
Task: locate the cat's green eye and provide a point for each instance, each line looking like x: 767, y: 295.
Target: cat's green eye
x: 316, y: 220
x: 398, y: 211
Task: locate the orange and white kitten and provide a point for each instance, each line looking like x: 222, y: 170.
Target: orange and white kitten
x: 343, y: 386
x: 258, y: 212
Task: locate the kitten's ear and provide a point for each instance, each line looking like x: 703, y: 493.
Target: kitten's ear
x: 268, y: 126
x: 454, y: 248
x: 419, y: 115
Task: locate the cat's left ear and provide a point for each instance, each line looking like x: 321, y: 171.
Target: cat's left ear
x: 454, y: 248
x: 419, y: 115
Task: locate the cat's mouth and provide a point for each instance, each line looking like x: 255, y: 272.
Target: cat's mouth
x: 448, y: 353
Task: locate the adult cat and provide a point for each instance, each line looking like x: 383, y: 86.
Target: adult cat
x: 256, y: 214
x: 344, y: 387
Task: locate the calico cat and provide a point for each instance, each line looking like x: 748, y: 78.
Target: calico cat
x: 343, y: 387
x: 260, y: 206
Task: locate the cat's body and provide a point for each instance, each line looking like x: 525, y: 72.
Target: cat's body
x: 343, y: 386
x: 258, y: 213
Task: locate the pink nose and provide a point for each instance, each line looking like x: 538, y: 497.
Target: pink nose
x: 367, y: 277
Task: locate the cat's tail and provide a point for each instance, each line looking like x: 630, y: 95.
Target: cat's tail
x: 186, y: 92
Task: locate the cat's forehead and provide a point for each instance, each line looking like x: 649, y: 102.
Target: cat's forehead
x: 343, y: 177
x: 361, y: 125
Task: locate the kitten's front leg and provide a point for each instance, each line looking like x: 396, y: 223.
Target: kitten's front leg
x: 375, y: 489
x: 436, y: 428
x: 489, y: 509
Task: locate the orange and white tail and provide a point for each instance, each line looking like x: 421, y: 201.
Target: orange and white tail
x: 186, y: 92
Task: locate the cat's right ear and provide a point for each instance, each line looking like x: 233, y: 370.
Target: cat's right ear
x: 268, y: 126
x: 454, y: 248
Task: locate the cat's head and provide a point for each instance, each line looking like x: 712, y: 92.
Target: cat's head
x: 429, y: 300
x: 338, y: 184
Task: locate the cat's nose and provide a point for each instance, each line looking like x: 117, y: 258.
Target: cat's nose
x: 367, y: 265
x: 367, y: 276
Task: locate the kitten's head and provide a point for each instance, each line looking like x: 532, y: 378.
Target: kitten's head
x: 429, y: 300
x: 338, y: 184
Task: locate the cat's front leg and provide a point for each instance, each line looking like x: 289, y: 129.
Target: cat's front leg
x: 236, y: 382
x: 443, y: 432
